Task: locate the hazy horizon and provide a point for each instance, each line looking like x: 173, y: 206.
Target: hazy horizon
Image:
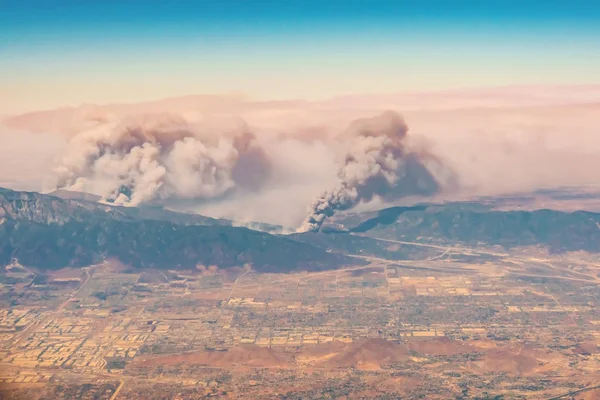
x: 113, y: 52
x: 245, y: 109
x: 496, y: 141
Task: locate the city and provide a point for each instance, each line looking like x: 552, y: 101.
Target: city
x: 522, y: 324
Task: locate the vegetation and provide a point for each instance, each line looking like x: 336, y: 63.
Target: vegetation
x: 475, y: 223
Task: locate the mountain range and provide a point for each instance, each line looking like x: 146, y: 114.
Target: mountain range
x: 49, y: 231
x: 476, y: 224
x: 46, y: 231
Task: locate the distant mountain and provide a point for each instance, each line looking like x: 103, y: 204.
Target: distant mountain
x: 49, y: 232
x: 46, y: 231
x: 85, y: 206
x: 65, y: 206
x: 474, y: 223
x: 72, y: 195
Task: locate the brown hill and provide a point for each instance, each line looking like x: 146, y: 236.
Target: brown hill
x: 440, y: 347
x: 511, y: 359
x: 364, y: 354
x: 587, y: 349
x: 519, y: 360
x: 513, y: 364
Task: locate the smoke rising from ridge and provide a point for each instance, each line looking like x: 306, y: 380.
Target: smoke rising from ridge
x: 377, y: 163
x: 156, y: 157
x: 495, y: 144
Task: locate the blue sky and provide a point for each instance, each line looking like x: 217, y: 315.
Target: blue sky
x: 57, y: 52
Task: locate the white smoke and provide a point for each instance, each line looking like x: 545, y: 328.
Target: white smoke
x: 377, y: 163
x: 498, y: 141
x: 157, y: 157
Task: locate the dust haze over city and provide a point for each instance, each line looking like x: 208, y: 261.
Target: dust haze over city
x: 299, y: 200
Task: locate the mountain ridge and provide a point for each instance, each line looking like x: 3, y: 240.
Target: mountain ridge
x: 50, y: 232
x: 473, y: 223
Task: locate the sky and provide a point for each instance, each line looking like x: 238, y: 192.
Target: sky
x: 62, y: 52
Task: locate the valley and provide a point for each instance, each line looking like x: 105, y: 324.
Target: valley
x: 458, y: 323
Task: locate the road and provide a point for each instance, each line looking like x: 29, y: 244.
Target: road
x: 578, y: 276
x: 587, y: 389
x: 75, y: 292
x: 236, y: 282
x: 31, y: 272
x: 23, y: 334
x: 435, y: 246
x: 116, y: 393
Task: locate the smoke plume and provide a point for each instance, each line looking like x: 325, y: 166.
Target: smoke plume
x: 160, y: 157
x: 377, y: 163
x: 497, y: 141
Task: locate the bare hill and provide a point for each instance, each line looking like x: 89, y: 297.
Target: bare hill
x: 365, y: 354
x: 519, y: 360
x: 440, y: 347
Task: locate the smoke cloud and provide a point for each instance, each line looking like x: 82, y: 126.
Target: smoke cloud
x: 378, y: 162
x: 27, y: 159
x: 158, y: 157
x: 188, y: 154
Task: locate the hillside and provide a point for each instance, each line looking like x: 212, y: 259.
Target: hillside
x: 48, y: 232
x: 84, y: 206
x: 52, y: 232
x: 64, y: 206
x: 475, y: 223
